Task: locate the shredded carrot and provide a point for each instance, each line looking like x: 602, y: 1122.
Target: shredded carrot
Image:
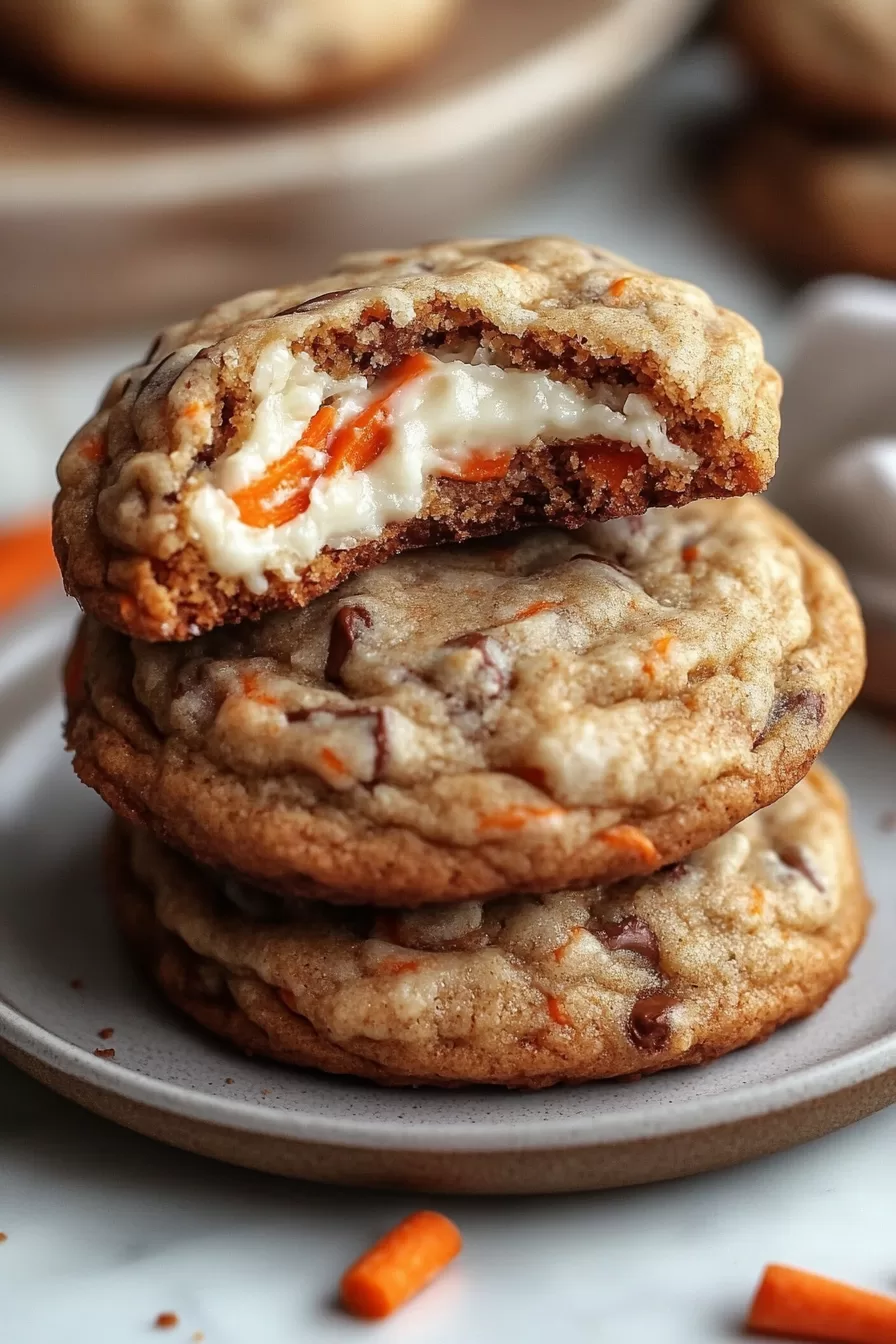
x: 26, y: 561
x: 195, y: 408
x: 560, y: 952
x: 557, y: 1013
x: 252, y: 690
x: 631, y: 838
x: 516, y: 266
x: 661, y: 645
x: 534, y: 610
x: 166, y: 1320
x: 514, y: 818
x: 616, y: 288
x: 612, y: 467
x: 757, y: 900
x: 333, y: 762
x: 397, y: 967
x: 801, y: 1305
x: 359, y: 443
x: 284, y: 491
x: 93, y: 449
x: 689, y: 554
x: 402, y: 1262
x: 481, y: 468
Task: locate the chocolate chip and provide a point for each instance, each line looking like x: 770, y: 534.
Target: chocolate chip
x: 797, y: 858
x: 318, y: 301
x: 628, y: 935
x: 809, y: 705
x: 648, y: 1025
x: 347, y: 626
x: 488, y: 649
x: 377, y: 718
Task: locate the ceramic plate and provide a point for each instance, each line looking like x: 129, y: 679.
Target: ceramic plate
x: 175, y: 1083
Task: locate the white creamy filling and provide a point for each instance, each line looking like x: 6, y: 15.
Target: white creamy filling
x: 441, y: 422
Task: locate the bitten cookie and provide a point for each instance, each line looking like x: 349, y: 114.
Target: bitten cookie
x: 285, y: 441
x: 223, y: 53
x: 697, y: 960
x: 836, y: 58
x: 812, y: 203
x: 542, y: 709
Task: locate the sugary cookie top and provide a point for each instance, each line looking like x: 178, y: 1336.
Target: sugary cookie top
x: 472, y: 691
x: 647, y: 963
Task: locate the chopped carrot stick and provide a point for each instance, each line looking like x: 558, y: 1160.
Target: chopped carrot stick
x: 284, y: 491
x: 402, y: 1262
x: 801, y: 1305
x: 360, y: 442
x: 481, y: 468
x: 26, y: 561
x: 514, y: 818
x: 631, y: 838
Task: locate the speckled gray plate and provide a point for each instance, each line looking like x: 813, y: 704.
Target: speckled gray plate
x: 176, y: 1084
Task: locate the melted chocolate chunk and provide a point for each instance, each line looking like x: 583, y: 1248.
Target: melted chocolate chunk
x: 628, y: 935
x: 318, y: 301
x: 809, y: 705
x: 648, y: 1024
x: 797, y: 858
x: 347, y: 626
x: 487, y: 648
x: 376, y: 718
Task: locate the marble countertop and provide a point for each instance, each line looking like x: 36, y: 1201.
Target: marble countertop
x: 105, y: 1229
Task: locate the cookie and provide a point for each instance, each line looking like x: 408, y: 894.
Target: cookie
x: 287, y: 440
x: 525, y: 713
x: 833, y: 58
x: 812, y: 203
x: 265, y: 54
x: 677, y: 968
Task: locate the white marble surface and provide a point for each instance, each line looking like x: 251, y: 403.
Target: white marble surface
x: 106, y: 1229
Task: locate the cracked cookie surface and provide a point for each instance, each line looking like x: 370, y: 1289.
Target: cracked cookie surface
x: 697, y: 960
x: 517, y: 714
x: 289, y: 439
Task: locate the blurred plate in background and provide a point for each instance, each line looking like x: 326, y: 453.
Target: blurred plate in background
x: 112, y: 217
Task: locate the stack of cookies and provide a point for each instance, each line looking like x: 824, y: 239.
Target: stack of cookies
x: 811, y: 176
x: 456, y: 700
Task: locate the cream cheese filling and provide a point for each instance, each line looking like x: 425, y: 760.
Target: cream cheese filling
x: 453, y: 414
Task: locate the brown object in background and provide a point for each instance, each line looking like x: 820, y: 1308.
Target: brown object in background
x: 129, y: 219
x: 880, y: 683
x: 835, y: 59
x: 812, y: 203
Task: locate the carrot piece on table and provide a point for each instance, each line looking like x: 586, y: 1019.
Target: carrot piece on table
x: 481, y: 468
x: 399, y: 1265
x: 27, y: 561
x: 284, y: 491
x: 360, y: 442
x: 801, y: 1305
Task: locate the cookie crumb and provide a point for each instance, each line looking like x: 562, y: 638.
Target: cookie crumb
x: 76, y: 984
x: 197, y: 1337
x: 166, y: 1320
x: 887, y: 822
x: 228, y: 1080
x: 104, y: 1054
x: 3, y: 1237
x: 105, y: 1033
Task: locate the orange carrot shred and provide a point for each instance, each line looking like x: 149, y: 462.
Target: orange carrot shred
x: 801, y: 1305
x: 612, y: 467
x: 689, y: 554
x: 398, y: 967
x: 557, y: 1013
x: 757, y: 900
x: 333, y: 762
x: 166, y: 1320
x: 631, y: 838
x: 359, y: 443
x: 514, y: 818
x: 401, y: 1263
x: 534, y: 610
x: 616, y: 288
x: 284, y: 491
x: 661, y: 645
x: 480, y: 468
x: 252, y: 690
x: 27, y: 561
x: 560, y: 952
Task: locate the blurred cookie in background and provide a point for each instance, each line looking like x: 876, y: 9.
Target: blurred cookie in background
x: 220, y: 54
x: 813, y: 202
x: 835, y: 59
